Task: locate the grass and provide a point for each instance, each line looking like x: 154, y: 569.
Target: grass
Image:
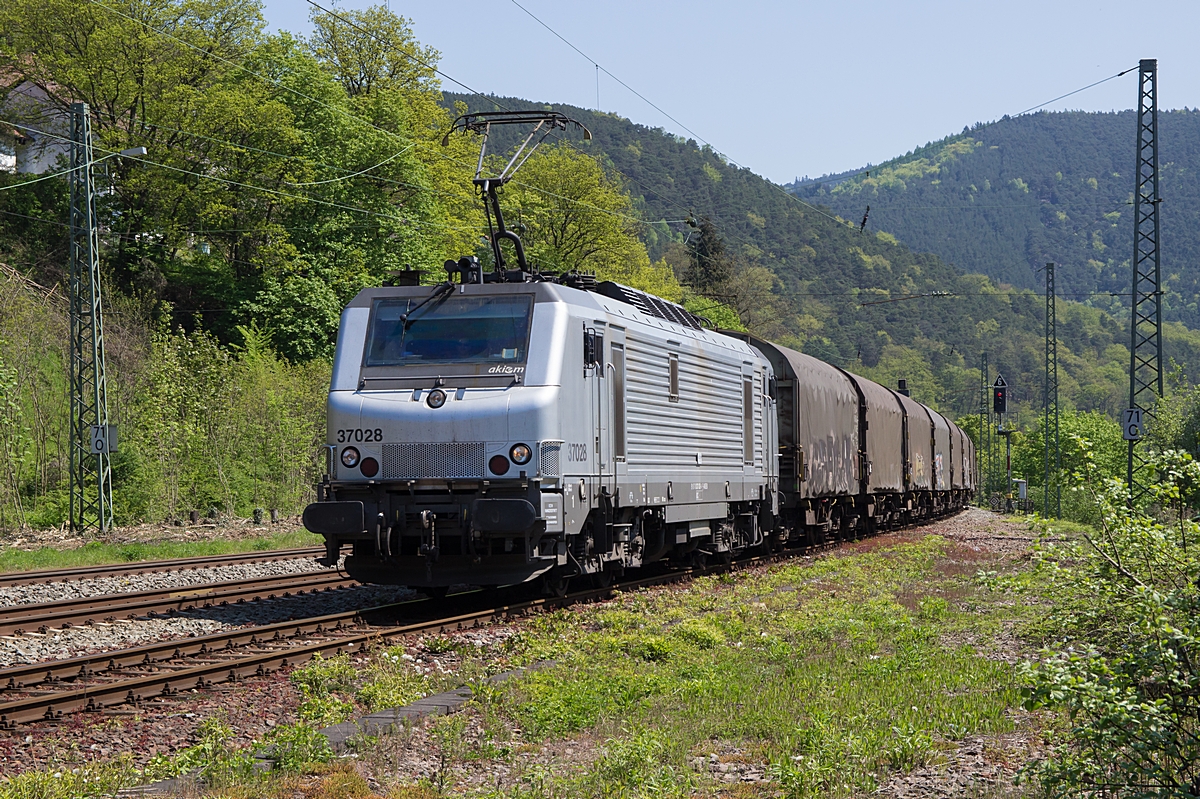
x: 96, y: 553
x: 825, y: 676
x: 830, y: 676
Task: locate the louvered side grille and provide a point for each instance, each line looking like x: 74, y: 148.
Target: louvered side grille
x: 460, y: 459
x: 548, y: 461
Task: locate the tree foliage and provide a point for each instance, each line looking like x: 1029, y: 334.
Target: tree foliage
x: 710, y: 270
x: 282, y: 175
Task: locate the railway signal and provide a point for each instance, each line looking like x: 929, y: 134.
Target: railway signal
x: 1000, y: 395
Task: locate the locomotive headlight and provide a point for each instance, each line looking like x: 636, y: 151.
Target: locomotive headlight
x: 520, y: 453
x: 436, y: 398
x: 349, y: 457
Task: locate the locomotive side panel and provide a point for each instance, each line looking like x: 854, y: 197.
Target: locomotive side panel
x: 695, y: 426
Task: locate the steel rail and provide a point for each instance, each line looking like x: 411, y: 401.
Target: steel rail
x: 38, y: 576
x: 99, y: 695
x: 95, y: 696
x: 18, y: 619
x: 30, y: 675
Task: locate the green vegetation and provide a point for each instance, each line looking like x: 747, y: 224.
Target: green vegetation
x: 1006, y: 197
x: 829, y: 675
x: 1122, y: 631
x: 286, y: 174
x: 202, y: 425
x: 96, y: 553
x: 283, y: 176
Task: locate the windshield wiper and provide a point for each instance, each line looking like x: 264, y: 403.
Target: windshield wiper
x: 440, y: 292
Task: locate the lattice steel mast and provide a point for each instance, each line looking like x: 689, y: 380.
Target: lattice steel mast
x: 1050, y: 403
x: 985, y: 425
x: 91, y: 472
x: 1145, y: 328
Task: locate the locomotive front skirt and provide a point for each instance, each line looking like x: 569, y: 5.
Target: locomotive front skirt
x: 493, y: 433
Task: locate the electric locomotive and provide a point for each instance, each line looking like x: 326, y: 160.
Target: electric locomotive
x: 508, y: 425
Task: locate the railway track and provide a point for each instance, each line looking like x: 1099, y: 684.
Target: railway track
x: 150, y: 566
x: 50, y: 690
x: 19, y: 619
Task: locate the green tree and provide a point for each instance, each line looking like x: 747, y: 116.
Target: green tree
x: 711, y: 270
x: 573, y: 216
x: 1083, y: 437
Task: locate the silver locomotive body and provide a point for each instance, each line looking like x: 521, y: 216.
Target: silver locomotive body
x: 499, y: 432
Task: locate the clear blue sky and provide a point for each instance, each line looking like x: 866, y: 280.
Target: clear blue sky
x: 796, y: 88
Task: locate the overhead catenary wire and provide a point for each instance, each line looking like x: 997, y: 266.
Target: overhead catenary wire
x: 494, y: 101
x: 490, y: 99
x: 726, y: 156
x: 53, y: 174
x: 842, y: 177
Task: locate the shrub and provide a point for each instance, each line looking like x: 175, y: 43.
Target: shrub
x: 700, y: 633
x: 295, y: 747
x: 322, y: 711
x: 1126, y: 670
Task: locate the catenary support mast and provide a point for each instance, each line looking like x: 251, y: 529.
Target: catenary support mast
x: 1145, y: 328
x: 91, y: 472
x: 985, y: 426
x: 1051, y: 485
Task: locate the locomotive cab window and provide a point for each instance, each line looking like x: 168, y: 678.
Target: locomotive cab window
x: 453, y: 330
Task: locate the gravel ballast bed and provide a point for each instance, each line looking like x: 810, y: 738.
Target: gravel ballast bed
x: 92, y: 639
x: 133, y: 583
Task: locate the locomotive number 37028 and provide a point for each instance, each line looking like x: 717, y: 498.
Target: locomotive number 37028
x: 359, y: 435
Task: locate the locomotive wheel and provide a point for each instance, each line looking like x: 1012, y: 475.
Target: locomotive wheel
x: 602, y: 578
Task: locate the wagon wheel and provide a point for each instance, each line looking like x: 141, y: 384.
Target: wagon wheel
x: 555, y: 585
x: 602, y: 578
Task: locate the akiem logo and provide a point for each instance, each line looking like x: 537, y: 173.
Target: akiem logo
x: 506, y: 370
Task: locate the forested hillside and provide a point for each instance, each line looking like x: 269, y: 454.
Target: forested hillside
x: 824, y: 273
x: 1005, y: 198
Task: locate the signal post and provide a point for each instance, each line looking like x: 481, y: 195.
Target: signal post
x: 1000, y: 408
